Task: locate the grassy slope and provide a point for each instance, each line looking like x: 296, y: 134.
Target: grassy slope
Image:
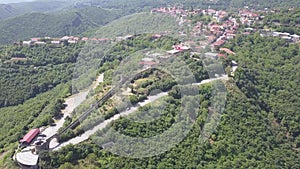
x: 136, y: 24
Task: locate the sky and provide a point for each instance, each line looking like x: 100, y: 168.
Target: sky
x: 13, y: 1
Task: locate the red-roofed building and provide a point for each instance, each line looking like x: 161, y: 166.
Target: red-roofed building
x: 230, y: 31
x: 218, y: 43
x: 85, y: 39
x: 94, y: 39
x: 103, y: 39
x: 228, y: 51
x: 211, y: 38
x: 235, y: 27
x: 157, y: 36
x: 222, y: 55
x: 210, y: 12
x: 30, y: 136
x: 180, y: 47
x: 35, y: 39
x: 246, y: 33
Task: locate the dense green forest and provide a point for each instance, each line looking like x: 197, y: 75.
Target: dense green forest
x: 284, y: 20
x: 28, y: 71
x: 15, y: 9
x: 137, y: 5
x: 259, y: 127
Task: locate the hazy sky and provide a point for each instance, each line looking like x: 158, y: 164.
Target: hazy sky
x: 13, y: 1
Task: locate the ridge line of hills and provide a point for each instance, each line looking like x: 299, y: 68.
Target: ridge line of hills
x: 19, y: 21
x: 73, y: 22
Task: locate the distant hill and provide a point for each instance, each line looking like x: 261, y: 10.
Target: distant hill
x: 16, y: 9
x: 136, y: 5
x: 131, y: 6
x: 14, y: 1
x: 71, y: 22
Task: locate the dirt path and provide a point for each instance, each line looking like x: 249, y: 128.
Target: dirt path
x: 72, y: 102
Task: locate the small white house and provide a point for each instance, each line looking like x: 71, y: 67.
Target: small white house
x: 29, y: 43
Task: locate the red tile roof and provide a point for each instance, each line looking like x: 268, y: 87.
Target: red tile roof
x: 221, y: 55
x: 230, y: 31
x: 157, y: 35
x: 228, y: 51
x: 35, y: 39
x: 218, y: 43
x: 30, y: 135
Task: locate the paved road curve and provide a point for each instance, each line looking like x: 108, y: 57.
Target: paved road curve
x: 102, y: 125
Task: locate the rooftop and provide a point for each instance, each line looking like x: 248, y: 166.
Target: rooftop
x: 30, y: 135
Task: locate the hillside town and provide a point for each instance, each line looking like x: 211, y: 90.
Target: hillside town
x: 207, y: 36
x: 222, y: 26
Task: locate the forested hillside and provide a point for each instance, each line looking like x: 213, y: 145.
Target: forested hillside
x: 137, y: 5
x: 15, y: 9
x: 26, y: 72
x: 131, y: 6
x: 36, y: 112
x: 258, y: 129
x: 284, y: 20
x: 71, y: 22
x: 261, y: 4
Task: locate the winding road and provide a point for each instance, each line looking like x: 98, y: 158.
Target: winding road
x: 88, y: 133
x: 72, y: 102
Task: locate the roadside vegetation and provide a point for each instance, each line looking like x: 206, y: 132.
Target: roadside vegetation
x: 29, y: 71
x: 284, y: 20
x: 257, y: 129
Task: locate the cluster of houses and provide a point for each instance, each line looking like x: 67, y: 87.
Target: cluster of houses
x: 284, y: 35
x: 227, y: 27
x: 218, y: 33
x: 153, y: 59
x: 59, y: 41
x: 247, y: 17
x: 292, y: 38
x: 74, y: 40
x: 288, y: 36
x: 222, y: 28
x: 219, y: 16
x: 174, y: 11
x: 178, y: 48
